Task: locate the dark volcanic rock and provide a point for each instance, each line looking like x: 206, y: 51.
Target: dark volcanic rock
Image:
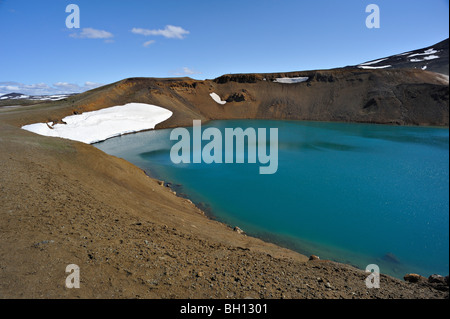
x: 433, y: 58
x: 436, y: 279
x: 414, y: 278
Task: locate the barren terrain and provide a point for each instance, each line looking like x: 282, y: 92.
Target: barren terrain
x: 64, y: 202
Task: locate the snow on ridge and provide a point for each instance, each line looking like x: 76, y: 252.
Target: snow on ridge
x: 217, y: 98
x: 54, y: 97
x: 426, y: 52
x: 374, y: 67
x: 291, y: 80
x: 403, y: 53
x: 425, y: 58
x: 373, y: 62
x: 96, y: 126
x: 18, y: 97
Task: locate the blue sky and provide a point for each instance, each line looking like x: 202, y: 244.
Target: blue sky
x: 200, y: 39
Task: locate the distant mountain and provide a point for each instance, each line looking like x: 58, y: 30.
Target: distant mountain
x: 433, y: 58
x: 20, y: 96
x: 13, y: 96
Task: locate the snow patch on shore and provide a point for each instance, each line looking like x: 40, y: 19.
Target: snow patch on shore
x: 217, y: 98
x: 97, y: 126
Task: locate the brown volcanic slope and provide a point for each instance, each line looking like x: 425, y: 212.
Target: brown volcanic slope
x: 395, y: 96
x: 64, y: 202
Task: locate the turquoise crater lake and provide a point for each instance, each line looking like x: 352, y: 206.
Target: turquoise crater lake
x: 354, y: 193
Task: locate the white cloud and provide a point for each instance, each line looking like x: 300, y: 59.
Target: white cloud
x: 15, y: 87
x: 90, y: 33
x: 67, y: 87
x: 8, y: 82
x: 91, y: 85
x: 146, y: 44
x: 45, y: 89
x: 185, y: 71
x: 170, y: 31
x: 8, y: 88
x: 37, y: 86
x: 189, y: 71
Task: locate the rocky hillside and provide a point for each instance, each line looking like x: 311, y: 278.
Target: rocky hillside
x: 387, y: 96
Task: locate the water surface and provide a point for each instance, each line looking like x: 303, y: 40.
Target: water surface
x: 354, y: 193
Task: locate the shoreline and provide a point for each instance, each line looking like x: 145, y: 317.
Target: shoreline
x: 200, y: 248
x: 286, y: 242
x: 265, y: 235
